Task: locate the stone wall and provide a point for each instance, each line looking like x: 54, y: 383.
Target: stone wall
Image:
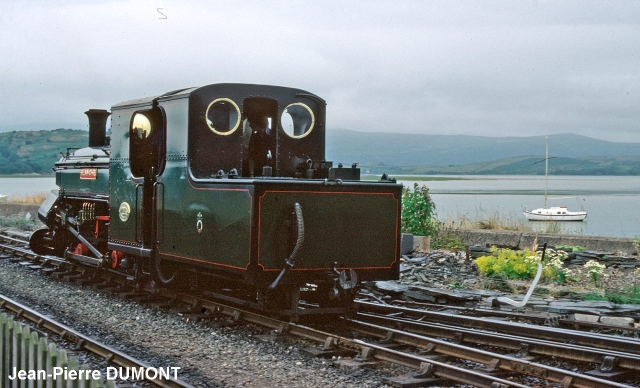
x: 17, y: 210
x: 520, y: 240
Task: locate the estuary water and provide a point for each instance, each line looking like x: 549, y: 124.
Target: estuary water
x: 612, y: 202
x: 21, y: 186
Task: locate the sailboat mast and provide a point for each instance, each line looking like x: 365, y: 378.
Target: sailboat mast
x: 546, y: 169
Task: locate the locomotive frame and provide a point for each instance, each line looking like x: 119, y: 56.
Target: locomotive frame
x: 169, y: 197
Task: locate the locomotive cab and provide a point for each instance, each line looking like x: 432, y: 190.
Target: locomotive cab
x: 222, y: 139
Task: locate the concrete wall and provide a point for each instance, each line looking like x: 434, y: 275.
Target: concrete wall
x: 521, y: 240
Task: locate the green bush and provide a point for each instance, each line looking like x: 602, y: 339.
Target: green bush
x: 510, y: 264
x: 445, y: 239
x: 418, y: 212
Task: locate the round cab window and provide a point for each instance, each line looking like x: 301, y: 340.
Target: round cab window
x: 141, y: 126
x: 297, y: 120
x: 223, y: 116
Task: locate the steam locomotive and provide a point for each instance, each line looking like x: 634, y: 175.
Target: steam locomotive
x: 171, y: 196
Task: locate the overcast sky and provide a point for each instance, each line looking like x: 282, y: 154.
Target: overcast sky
x: 490, y: 68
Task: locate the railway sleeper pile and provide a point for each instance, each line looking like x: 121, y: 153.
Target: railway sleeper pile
x: 428, y: 277
x: 443, y: 277
x: 609, y: 259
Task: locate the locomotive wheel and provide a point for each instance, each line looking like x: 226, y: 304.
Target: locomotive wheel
x: 44, y: 242
x: 40, y: 242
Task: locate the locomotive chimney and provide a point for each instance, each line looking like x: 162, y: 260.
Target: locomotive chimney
x: 97, y: 127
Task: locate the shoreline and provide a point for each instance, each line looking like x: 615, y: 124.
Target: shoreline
x: 620, y: 246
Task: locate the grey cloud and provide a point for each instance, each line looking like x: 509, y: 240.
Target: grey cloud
x: 490, y: 68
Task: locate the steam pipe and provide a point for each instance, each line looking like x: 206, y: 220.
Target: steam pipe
x: 291, y: 261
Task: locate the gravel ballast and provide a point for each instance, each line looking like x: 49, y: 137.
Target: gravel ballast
x: 208, y: 356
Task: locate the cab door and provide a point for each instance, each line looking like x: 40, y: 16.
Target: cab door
x: 137, y: 160
x: 147, y: 160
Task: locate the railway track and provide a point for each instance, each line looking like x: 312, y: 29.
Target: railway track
x: 616, y: 357
x: 86, y: 343
x: 435, y: 351
x: 505, y: 312
x: 439, y: 321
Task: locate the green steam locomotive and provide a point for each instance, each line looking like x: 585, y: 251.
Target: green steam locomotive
x: 224, y: 188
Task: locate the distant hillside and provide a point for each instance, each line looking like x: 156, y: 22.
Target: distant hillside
x: 29, y: 152
x: 525, y: 165
x: 403, y: 149
x: 25, y: 152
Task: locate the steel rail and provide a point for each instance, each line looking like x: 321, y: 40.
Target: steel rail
x: 85, y: 342
x: 367, y: 350
x: 426, y: 366
x: 493, y: 361
x: 435, y: 368
x: 23, y: 252
x: 12, y: 246
x: 479, y: 311
x: 594, y: 340
x: 533, y: 317
x: 508, y: 341
x: 13, y: 240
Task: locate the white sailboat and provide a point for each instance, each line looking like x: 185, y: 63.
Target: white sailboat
x: 553, y: 213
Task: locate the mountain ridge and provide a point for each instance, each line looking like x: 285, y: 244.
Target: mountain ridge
x: 403, y: 149
x: 25, y: 152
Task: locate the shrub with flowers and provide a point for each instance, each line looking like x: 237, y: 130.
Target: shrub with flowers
x: 418, y: 212
x: 508, y: 263
x: 553, y: 266
x: 595, y: 270
x: 524, y: 264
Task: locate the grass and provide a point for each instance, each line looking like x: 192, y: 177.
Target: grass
x: 22, y: 223
x: 630, y: 295
x: 498, y: 221
x: 446, y: 239
x: 29, y: 199
x: 483, y: 221
x: 18, y: 223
